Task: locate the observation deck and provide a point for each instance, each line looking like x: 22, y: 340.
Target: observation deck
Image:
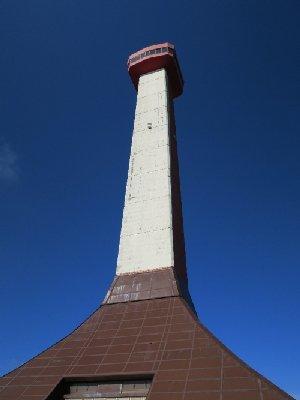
x: 155, y: 57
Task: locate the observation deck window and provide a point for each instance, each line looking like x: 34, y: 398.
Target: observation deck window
x: 134, y: 59
x: 151, y: 52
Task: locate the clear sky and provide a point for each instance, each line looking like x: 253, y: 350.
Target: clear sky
x: 67, y: 107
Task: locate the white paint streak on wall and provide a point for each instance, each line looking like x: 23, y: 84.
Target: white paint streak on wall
x: 146, y: 241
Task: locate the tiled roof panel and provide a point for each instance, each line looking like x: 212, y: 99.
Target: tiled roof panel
x: 160, y: 338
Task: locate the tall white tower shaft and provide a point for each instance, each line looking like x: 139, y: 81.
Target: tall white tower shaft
x: 146, y: 241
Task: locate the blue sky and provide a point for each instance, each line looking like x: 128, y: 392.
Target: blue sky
x: 67, y: 107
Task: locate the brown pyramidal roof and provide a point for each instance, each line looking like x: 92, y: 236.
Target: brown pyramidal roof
x: 145, y: 341
x: 157, y: 338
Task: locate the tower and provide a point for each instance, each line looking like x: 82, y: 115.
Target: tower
x: 145, y: 340
x: 151, y: 260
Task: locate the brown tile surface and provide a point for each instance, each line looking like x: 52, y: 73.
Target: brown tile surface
x: 159, y: 337
x: 140, y: 286
x: 159, y: 283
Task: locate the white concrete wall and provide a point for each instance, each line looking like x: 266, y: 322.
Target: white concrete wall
x: 146, y: 241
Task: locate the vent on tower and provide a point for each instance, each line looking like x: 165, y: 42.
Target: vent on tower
x: 125, y: 389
